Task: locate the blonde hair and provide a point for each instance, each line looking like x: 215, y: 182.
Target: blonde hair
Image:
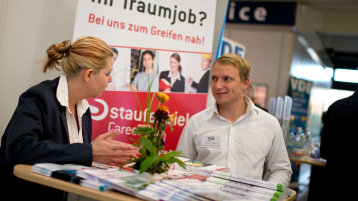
x: 238, y: 62
x: 85, y: 53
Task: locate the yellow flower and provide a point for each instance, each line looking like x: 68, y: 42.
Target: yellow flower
x: 163, y: 108
x: 172, y: 117
x: 162, y: 97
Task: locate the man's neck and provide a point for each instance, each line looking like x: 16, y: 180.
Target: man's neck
x: 206, y: 69
x: 233, y: 111
x: 148, y: 70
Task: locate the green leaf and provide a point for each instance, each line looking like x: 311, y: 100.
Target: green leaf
x: 150, y: 83
x: 171, y: 128
x: 151, y: 101
x: 149, y: 146
x: 166, y: 164
x: 147, y: 163
x: 170, y: 155
x: 149, y: 109
x: 180, y: 163
x: 140, y: 106
x: 135, y: 142
x: 144, y: 130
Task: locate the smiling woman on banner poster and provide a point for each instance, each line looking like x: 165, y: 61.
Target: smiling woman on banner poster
x: 172, y: 80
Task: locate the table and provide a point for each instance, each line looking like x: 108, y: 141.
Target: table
x: 24, y: 172
x: 317, y: 162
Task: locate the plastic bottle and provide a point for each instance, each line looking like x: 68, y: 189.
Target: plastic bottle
x: 290, y: 137
x: 307, y: 142
x: 290, y: 141
x: 299, y: 138
x: 299, y: 142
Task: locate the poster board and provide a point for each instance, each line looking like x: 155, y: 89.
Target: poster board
x: 299, y: 90
x: 131, y: 27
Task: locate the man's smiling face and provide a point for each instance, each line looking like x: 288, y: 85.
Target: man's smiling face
x: 226, y: 85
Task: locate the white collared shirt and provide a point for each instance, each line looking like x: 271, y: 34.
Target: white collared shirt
x: 244, y: 146
x: 75, y: 134
x: 172, y: 81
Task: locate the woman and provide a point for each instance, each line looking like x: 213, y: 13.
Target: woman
x: 173, y: 79
x: 147, y: 78
x: 52, y: 122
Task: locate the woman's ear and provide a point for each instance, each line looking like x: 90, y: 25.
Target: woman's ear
x: 87, y: 74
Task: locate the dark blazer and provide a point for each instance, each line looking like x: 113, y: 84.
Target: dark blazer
x: 340, y: 126
x: 203, y: 85
x: 37, y: 132
x: 339, y: 147
x: 178, y: 86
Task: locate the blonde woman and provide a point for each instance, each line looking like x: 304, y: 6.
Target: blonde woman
x: 52, y: 121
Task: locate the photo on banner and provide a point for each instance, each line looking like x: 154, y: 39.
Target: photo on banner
x: 177, y: 32
x: 144, y: 70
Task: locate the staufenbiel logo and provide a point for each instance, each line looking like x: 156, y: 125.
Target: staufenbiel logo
x: 96, y: 114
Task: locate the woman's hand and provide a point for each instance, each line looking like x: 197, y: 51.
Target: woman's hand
x: 107, y: 150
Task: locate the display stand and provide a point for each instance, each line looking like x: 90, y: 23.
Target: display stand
x: 24, y: 172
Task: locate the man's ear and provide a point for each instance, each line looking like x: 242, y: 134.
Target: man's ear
x: 88, y: 74
x: 246, y: 84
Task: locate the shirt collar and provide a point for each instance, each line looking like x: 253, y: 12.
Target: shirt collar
x: 62, y: 96
x: 251, y: 109
x: 170, y: 75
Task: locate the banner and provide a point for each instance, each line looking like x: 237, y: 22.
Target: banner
x: 299, y: 90
x: 230, y: 46
x: 179, y: 38
x: 185, y: 26
x: 113, y: 112
x: 262, y: 12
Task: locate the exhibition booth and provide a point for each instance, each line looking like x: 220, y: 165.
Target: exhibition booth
x: 271, y: 36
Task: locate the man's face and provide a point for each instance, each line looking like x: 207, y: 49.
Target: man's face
x: 226, y: 85
x: 205, y: 63
x: 148, y: 61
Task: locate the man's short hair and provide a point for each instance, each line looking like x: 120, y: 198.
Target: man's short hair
x: 114, y: 50
x: 238, y: 62
x: 149, y: 52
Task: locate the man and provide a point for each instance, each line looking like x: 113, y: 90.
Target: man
x: 203, y: 85
x: 338, y: 147
x: 234, y: 132
x: 141, y: 82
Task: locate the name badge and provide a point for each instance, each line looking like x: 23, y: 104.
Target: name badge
x: 211, y: 142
